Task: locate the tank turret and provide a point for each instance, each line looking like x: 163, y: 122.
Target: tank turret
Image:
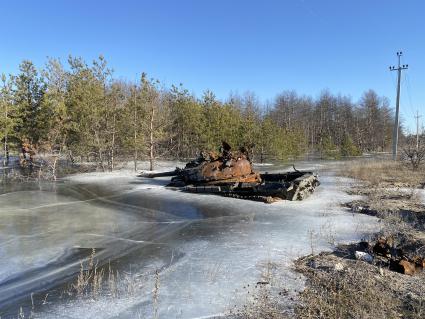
x: 213, y: 169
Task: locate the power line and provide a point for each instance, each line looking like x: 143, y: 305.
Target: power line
x: 407, y: 86
x: 397, y: 121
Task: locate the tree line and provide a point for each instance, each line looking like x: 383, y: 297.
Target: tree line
x: 81, y: 111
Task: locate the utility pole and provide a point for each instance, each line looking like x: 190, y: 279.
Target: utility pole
x: 397, y: 122
x: 417, y: 116
x: 6, y: 118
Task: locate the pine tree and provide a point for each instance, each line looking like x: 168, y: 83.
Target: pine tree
x: 91, y: 131
x: 28, y: 97
x: 156, y: 120
x: 54, y: 106
x: 7, y: 116
x: 187, y: 128
x: 348, y: 148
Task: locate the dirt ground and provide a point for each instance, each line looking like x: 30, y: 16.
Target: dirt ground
x: 340, y: 284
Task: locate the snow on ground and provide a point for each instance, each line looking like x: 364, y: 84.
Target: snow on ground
x: 206, y: 247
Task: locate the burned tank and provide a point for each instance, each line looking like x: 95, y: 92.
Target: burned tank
x: 231, y: 174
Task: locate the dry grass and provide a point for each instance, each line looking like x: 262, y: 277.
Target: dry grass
x: 336, y: 294
x: 390, y: 191
x: 338, y: 287
x: 384, y: 201
x: 260, y: 304
x: 91, y: 284
x: 264, y: 300
x: 397, y: 209
x: 90, y: 279
x: 362, y: 290
x: 383, y: 173
x: 156, y: 295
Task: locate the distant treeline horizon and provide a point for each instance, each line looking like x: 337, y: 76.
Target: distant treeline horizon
x: 80, y: 110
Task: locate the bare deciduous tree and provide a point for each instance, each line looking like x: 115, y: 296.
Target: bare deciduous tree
x: 412, y: 153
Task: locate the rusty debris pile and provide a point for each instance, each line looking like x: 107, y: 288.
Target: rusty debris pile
x: 386, y: 254
x: 26, y: 157
x: 231, y: 174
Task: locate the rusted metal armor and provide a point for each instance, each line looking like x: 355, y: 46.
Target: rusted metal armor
x: 232, y: 175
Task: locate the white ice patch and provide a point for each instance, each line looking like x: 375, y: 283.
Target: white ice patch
x: 421, y: 193
x: 262, y: 164
x: 125, y: 172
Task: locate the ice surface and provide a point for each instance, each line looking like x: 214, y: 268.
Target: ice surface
x: 206, y: 248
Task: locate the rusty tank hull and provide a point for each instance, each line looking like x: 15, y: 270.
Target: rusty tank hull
x: 288, y: 186
x: 232, y: 175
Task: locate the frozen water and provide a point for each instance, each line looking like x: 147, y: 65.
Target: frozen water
x: 419, y: 193
x: 206, y: 248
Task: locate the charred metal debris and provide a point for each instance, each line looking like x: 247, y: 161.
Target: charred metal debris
x: 387, y: 254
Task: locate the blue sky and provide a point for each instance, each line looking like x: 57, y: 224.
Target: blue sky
x: 262, y: 46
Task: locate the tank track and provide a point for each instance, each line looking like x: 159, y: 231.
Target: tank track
x: 257, y: 198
